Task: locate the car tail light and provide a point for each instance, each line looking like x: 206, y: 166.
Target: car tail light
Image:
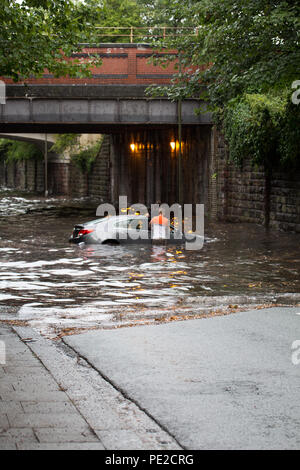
x: 84, y: 232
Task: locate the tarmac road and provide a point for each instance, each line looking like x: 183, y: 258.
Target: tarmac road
x: 217, y: 383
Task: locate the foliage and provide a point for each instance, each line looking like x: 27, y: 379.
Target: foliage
x: 118, y: 14
x: 243, y: 55
x: 251, y: 125
x: 4, y: 145
x: 84, y: 157
x: 289, y: 137
x: 248, y: 46
x: 14, y: 150
x: 145, y: 15
x: 34, y: 33
x: 161, y: 13
x: 265, y: 127
x: 63, y: 142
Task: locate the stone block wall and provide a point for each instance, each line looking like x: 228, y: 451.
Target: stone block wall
x: 20, y: 175
x: 285, y: 201
x: 99, y: 178
x: 10, y: 175
x: 31, y: 175
x: 64, y: 177
x: 2, y: 171
x: 78, y: 182
x: 246, y: 195
x: 24, y: 175
x: 233, y: 194
x: 58, y: 178
x: 39, y: 176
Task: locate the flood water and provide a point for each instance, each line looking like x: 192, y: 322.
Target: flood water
x: 55, y: 286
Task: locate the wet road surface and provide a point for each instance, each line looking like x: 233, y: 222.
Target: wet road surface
x: 55, y: 286
x: 226, y: 383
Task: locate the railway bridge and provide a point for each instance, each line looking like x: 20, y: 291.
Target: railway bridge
x: 158, y: 150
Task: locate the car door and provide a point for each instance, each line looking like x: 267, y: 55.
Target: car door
x: 138, y: 230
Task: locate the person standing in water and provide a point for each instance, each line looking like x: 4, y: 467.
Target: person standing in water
x: 159, y: 227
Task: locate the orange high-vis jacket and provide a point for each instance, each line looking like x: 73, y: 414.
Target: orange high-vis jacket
x: 160, y: 220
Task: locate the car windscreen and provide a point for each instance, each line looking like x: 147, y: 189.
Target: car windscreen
x: 136, y: 223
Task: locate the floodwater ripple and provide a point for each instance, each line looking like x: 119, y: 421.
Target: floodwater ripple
x: 55, y: 286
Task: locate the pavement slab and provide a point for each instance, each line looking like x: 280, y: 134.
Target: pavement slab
x: 52, y: 399
x: 216, y: 383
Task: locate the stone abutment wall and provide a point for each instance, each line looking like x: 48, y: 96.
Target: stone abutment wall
x: 230, y: 194
x: 64, y: 177
x: 247, y: 194
x: 23, y: 175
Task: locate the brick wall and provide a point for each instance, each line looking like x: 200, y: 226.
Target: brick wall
x: 121, y: 64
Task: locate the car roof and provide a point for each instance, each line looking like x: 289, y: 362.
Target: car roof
x: 129, y: 216
x: 116, y: 217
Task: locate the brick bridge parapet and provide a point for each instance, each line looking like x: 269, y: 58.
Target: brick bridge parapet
x: 127, y: 64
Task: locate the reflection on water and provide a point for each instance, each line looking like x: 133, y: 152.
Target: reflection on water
x: 54, y: 285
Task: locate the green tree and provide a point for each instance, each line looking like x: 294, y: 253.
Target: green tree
x: 163, y: 19
x: 161, y: 13
x: 251, y: 45
x: 14, y: 150
x: 241, y: 48
x: 117, y: 17
x: 34, y: 33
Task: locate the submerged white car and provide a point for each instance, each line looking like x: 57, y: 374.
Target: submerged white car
x: 121, y: 229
